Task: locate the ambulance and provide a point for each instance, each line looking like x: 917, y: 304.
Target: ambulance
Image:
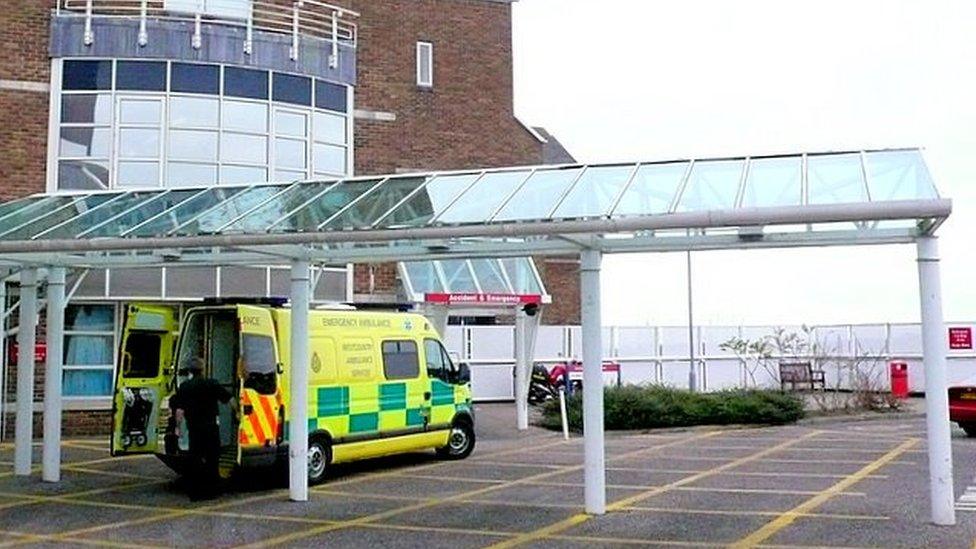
x: 380, y: 383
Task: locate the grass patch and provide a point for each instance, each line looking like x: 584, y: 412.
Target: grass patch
x: 655, y: 406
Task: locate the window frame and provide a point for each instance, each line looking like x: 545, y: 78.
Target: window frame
x: 399, y: 342
x: 427, y: 45
x: 112, y: 368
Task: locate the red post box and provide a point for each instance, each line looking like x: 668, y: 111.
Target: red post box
x: 899, y: 379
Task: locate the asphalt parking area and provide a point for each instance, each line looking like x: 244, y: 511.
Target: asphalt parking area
x: 853, y: 484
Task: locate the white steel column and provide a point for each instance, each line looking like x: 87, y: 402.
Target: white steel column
x: 298, y: 400
x: 936, y: 395
x: 51, y: 459
x: 26, y: 339
x: 593, y: 459
x: 521, y: 372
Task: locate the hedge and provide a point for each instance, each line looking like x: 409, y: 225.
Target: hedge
x: 654, y: 406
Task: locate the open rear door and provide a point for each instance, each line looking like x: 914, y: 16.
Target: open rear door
x: 144, y: 377
x: 261, y: 411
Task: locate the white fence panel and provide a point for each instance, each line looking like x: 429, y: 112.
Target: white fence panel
x: 492, y: 342
x: 492, y: 381
x: 638, y: 372
x: 549, y: 342
x: 722, y: 374
x: 871, y: 346
x: 635, y: 342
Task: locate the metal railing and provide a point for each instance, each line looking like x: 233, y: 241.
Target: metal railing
x: 299, y: 19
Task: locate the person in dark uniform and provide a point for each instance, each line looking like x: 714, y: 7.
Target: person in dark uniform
x: 196, y: 402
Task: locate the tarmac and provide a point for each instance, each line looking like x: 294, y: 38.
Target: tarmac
x: 830, y: 483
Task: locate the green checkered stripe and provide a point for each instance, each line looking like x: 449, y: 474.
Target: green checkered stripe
x: 365, y: 408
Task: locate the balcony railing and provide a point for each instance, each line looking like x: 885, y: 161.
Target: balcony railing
x: 299, y: 19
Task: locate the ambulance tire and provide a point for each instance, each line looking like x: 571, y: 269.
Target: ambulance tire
x: 319, y: 457
x: 460, y: 442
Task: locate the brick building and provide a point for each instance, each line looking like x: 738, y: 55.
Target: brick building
x: 191, y: 93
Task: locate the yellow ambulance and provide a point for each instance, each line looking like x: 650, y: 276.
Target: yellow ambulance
x: 380, y: 383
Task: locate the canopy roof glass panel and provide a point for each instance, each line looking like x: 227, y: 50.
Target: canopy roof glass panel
x: 813, y: 198
x: 512, y: 276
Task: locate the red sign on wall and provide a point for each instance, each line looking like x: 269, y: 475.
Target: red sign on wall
x: 40, y: 353
x: 961, y: 338
x: 483, y: 299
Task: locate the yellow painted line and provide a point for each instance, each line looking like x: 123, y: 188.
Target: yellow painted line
x: 471, y: 480
x: 37, y: 468
x: 42, y: 538
x: 836, y: 516
x: 740, y: 473
x: 106, y: 473
x: 454, y: 498
x: 633, y: 541
x: 65, y: 536
x: 575, y: 520
x: 760, y: 491
x: 787, y: 518
x: 519, y: 464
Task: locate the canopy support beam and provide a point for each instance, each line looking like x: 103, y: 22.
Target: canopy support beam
x: 51, y: 458
x: 298, y: 389
x: 936, y: 392
x: 26, y: 339
x: 594, y: 467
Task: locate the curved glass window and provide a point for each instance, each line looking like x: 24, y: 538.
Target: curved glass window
x: 142, y: 124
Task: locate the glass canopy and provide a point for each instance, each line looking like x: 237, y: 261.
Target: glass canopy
x: 511, y: 276
x: 498, y: 212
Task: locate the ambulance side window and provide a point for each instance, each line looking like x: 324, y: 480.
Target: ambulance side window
x: 401, y: 360
x: 437, y: 366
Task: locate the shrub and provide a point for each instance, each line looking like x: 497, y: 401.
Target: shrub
x: 655, y: 406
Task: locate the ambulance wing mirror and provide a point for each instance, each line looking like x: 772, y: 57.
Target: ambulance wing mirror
x: 464, y: 373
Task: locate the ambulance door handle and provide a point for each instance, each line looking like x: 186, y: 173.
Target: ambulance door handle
x: 248, y: 409
x: 427, y: 395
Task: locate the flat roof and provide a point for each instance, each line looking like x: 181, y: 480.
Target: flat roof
x: 803, y: 199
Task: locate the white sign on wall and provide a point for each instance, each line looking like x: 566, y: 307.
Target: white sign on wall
x: 226, y: 9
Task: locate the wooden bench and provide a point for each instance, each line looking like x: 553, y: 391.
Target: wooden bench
x: 800, y: 374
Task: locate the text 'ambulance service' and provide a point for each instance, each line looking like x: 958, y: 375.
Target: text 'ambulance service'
x: 380, y: 383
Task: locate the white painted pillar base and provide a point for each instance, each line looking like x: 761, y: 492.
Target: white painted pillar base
x: 521, y: 372
x: 298, y: 388
x: 51, y: 459
x: 936, y: 396
x: 595, y: 489
x: 26, y: 339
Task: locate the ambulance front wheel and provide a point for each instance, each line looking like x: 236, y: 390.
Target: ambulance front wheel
x: 460, y: 442
x: 319, y: 456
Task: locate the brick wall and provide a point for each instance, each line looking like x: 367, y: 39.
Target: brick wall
x: 465, y: 121
x: 23, y: 132
x: 561, y: 277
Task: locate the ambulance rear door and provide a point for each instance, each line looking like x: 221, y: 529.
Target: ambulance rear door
x: 144, y: 377
x: 261, y: 413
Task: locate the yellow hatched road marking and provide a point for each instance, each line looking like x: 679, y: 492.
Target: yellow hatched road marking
x: 787, y: 518
x: 575, y: 520
x: 457, y: 497
x: 65, y: 536
x: 836, y: 516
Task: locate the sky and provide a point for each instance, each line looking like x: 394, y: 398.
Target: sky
x: 652, y: 80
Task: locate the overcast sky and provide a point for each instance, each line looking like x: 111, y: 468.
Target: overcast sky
x: 640, y: 80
